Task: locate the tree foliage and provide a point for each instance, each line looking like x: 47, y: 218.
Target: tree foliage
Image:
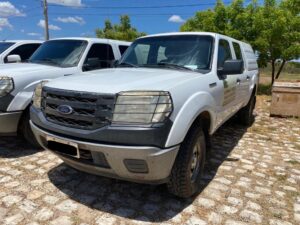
x: 273, y: 28
x: 122, y: 31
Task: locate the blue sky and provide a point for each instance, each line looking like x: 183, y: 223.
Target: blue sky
x: 23, y: 19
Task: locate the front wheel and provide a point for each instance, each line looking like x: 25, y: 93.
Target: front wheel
x: 189, y: 165
x: 25, y: 130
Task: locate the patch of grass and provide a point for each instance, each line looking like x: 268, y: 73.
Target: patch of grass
x: 277, y: 215
x: 281, y: 178
x: 264, y: 89
x: 294, y: 162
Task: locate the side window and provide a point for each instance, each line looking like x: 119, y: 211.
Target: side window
x: 224, y: 52
x: 24, y: 51
x: 237, y: 50
x: 123, y: 48
x: 99, y: 56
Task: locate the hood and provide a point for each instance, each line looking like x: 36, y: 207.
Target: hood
x: 124, y: 79
x: 15, y: 69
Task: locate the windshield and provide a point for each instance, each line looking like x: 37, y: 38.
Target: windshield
x: 63, y: 53
x: 190, y: 52
x: 5, y: 45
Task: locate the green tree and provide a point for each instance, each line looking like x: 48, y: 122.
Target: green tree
x: 122, y: 31
x: 273, y: 29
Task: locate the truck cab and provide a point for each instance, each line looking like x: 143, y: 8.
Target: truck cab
x: 12, y: 51
x: 149, y: 119
x: 55, y: 58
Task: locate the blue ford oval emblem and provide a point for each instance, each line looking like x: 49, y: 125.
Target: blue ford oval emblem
x: 65, y: 109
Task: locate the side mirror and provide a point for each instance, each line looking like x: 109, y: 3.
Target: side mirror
x: 231, y: 67
x: 115, y: 63
x: 91, y: 63
x: 14, y: 58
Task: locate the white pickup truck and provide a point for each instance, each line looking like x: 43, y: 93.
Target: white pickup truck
x: 54, y: 58
x: 150, y: 119
x: 12, y: 51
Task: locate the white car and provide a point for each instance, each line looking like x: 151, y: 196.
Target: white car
x: 12, y: 51
x: 54, y: 58
x: 150, y: 120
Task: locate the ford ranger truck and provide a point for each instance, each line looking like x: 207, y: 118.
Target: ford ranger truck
x: 12, y: 51
x: 55, y: 58
x: 150, y: 119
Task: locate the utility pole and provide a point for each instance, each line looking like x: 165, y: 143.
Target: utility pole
x: 46, y: 20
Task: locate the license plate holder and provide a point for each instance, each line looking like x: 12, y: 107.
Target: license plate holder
x: 61, y: 143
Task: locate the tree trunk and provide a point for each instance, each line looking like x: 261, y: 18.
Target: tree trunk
x: 280, y: 69
x: 273, y: 71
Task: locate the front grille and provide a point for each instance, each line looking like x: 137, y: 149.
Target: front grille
x: 90, y: 110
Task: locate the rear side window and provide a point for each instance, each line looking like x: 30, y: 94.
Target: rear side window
x: 224, y: 52
x: 24, y: 51
x: 100, y: 56
x: 237, y: 50
x: 123, y: 49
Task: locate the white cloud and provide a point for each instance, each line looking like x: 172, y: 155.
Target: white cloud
x: 71, y: 19
x: 176, y: 19
x: 7, y: 9
x: 5, y: 23
x: 33, y: 34
x: 41, y: 24
x: 73, y: 3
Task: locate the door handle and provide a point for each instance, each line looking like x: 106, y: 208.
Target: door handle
x: 238, y: 81
x: 248, y: 78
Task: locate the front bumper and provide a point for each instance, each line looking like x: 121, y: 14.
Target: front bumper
x: 139, y: 164
x: 9, y: 122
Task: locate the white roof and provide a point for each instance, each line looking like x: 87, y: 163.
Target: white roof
x: 94, y: 40
x: 193, y: 33
x: 23, y: 41
x: 182, y: 33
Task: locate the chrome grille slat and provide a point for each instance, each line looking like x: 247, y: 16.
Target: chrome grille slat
x: 90, y: 110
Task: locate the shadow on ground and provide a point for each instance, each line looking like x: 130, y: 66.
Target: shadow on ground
x: 15, y: 147
x: 138, y: 201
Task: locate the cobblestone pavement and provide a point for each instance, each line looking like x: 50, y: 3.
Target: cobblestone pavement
x: 253, y: 177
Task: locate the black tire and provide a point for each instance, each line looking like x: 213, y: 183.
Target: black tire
x: 245, y: 115
x: 25, y: 130
x: 184, y: 182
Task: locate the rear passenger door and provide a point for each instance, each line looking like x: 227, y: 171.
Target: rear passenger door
x: 100, y: 56
x: 244, y: 78
x: 24, y: 51
x: 230, y: 82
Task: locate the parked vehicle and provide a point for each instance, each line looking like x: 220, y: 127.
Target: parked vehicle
x: 17, y: 50
x: 149, y: 120
x: 55, y: 58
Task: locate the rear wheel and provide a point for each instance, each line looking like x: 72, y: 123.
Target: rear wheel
x: 188, y: 167
x: 25, y: 130
x: 245, y: 115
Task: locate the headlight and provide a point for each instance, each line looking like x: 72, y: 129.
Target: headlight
x: 142, y: 107
x: 6, y: 86
x: 37, y: 96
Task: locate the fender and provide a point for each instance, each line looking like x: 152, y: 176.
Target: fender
x: 191, y: 109
x: 22, y: 100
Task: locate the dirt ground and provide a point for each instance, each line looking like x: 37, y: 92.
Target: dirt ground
x: 253, y: 177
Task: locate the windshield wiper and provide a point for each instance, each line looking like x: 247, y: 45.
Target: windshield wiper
x: 175, y: 66
x: 126, y: 64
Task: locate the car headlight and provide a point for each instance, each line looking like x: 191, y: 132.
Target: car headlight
x: 6, y: 86
x: 37, y: 96
x: 142, y: 107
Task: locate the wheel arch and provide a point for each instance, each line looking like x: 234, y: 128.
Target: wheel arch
x: 200, y: 107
